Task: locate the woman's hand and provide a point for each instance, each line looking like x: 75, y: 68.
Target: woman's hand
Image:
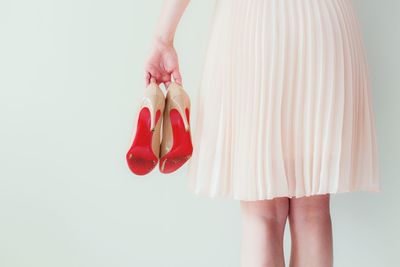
x: 162, y: 64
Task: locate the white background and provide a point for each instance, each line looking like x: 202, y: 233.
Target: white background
x: 71, y: 73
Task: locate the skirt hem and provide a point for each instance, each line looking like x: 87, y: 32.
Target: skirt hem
x: 202, y: 193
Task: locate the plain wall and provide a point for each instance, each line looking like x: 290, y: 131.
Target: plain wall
x: 71, y: 74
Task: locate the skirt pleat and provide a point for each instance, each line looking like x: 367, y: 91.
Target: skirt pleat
x: 284, y: 106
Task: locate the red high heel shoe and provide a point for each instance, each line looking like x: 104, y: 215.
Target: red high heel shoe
x: 143, y: 154
x: 176, y: 145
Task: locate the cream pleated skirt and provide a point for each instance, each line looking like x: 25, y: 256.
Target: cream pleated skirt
x: 284, y: 107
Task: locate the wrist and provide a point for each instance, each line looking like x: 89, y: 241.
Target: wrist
x: 164, y: 41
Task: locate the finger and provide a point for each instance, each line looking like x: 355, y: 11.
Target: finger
x: 166, y: 78
x: 150, y: 79
x: 147, y: 78
x: 177, y: 76
x: 154, y: 72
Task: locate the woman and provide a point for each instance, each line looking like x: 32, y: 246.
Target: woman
x: 284, y: 118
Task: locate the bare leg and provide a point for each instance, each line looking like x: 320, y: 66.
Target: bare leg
x: 311, y: 232
x: 263, y: 227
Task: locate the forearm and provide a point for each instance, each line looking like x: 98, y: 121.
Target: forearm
x: 171, y: 14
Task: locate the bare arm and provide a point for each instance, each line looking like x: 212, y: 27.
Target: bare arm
x: 170, y: 16
x: 162, y: 64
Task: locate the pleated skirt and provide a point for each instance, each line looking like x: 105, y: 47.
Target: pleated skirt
x: 284, y: 105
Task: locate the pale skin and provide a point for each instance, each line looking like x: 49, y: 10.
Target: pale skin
x: 263, y: 221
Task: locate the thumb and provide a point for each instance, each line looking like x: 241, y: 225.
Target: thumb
x: 177, y: 76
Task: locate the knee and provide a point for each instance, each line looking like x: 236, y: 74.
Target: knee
x: 273, y: 211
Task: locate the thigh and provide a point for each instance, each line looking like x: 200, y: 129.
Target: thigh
x: 275, y: 209
x: 308, y: 206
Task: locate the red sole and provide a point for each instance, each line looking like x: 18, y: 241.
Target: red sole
x: 182, y: 147
x: 140, y: 157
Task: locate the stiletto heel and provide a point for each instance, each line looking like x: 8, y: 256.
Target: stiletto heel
x: 143, y: 154
x: 176, y: 145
